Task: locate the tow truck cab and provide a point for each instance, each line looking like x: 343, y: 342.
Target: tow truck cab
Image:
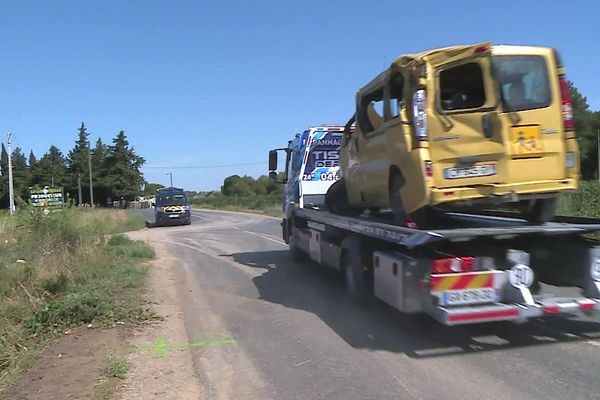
x: 311, y: 167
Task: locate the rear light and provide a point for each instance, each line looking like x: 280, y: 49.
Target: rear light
x: 420, y: 114
x: 551, y: 309
x: 428, y: 169
x: 567, y: 104
x: 587, y: 305
x: 571, y: 160
x: 482, y: 49
x: 452, y: 264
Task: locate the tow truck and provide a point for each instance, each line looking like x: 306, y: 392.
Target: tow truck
x: 463, y: 269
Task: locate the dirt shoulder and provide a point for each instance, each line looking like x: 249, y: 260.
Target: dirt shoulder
x: 158, y: 369
x: 84, y: 362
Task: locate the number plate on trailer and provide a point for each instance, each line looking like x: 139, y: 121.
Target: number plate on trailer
x: 467, y: 296
x: 470, y: 172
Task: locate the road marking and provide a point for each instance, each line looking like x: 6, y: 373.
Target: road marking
x: 265, y: 237
x: 198, y: 216
x: 161, y: 346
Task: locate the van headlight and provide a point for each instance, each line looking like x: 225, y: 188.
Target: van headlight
x: 571, y: 160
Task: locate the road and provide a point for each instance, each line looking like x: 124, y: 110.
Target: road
x: 295, y: 335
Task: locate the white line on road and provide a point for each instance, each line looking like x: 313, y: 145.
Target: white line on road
x: 265, y: 237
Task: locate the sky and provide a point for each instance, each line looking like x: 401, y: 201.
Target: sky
x: 198, y: 85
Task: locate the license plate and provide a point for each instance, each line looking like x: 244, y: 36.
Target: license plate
x: 173, y: 215
x: 470, y: 172
x: 526, y: 140
x: 467, y: 296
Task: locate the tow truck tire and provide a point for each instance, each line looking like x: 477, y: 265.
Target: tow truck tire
x: 540, y: 211
x: 355, y: 278
x: 296, y: 254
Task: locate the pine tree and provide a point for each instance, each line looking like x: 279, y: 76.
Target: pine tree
x: 77, y: 164
x: 51, y: 168
x: 123, y: 176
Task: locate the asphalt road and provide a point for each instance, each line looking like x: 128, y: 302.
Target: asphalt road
x: 297, y: 336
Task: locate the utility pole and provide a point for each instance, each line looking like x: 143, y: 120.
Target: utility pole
x: 90, y: 169
x: 79, y: 187
x: 11, y: 194
x: 171, y: 175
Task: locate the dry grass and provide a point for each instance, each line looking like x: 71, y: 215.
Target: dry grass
x: 60, y: 269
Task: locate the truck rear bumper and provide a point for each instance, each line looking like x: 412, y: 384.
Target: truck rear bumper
x: 501, y: 193
x: 514, y: 312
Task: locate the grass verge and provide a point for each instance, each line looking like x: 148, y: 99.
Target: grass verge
x: 65, y: 269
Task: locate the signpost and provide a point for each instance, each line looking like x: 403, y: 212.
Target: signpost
x: 47, y: 198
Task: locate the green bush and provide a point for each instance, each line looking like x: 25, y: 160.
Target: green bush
x: 56, y: 284
x: 584, y: 202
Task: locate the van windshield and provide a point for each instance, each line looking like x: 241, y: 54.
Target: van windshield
x: 171, y: 199
x: 324, y: 154
x: 523, y: 82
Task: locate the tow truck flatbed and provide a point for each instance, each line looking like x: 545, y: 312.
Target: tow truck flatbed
x: 457, y: 227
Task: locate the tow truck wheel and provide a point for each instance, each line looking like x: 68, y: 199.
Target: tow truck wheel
x: 353, y: 269
x: 296, y: 254
x: 540, y: 211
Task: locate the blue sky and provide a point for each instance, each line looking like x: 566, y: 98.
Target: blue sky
x: 198, y: 83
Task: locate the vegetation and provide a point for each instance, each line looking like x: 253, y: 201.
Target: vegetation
x: 115, y: 170
x: 65, y: 269
x: 117, y: 366
x: 244, y: 193
x: 583, y: 203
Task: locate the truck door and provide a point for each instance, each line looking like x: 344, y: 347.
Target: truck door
x: 467, y: 145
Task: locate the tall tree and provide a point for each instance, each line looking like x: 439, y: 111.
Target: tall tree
x: 4, y: 180
x: 77, y: 163
x: 51, y: 168
x: 123, y: 176
x: 32, y: 159
x: 586, y: 125
x: 21, y: 175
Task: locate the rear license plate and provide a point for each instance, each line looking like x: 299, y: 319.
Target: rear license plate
x: 467, y: 296
x: 526, y: 140
x: 470, y: 172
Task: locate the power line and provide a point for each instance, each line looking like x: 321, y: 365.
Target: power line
x: 204, y: 166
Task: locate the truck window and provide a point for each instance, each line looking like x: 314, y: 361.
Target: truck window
x: 523, y: 81
x: 171, y: 199
x: 462, y: 87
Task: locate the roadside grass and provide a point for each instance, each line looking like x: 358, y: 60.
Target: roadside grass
x: 65, y: 269
x: 117, y: 366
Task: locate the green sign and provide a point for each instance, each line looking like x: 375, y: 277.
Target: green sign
x: 47, y: 197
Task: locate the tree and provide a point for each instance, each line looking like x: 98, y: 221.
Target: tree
x: 123, y: 176
x: 228, y: 184
x: 21, y: 174
x: 586, y: 125
x: 77, y: 164
x: 50, y: 169
x: 151, y: 188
